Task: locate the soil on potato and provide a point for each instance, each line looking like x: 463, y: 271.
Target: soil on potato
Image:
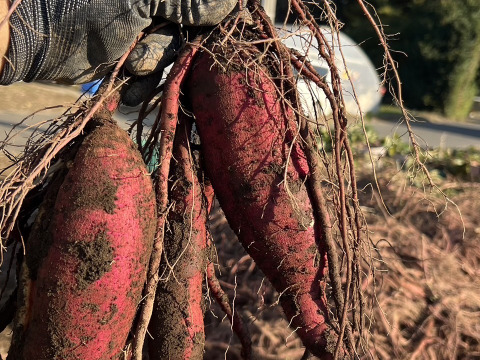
x: 95, y: 258
x: 7, y: 281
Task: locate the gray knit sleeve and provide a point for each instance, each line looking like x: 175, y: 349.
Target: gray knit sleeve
x: 76, y: 41
x: 194, y: 12
x: 70, y: 40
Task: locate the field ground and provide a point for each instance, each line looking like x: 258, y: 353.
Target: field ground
x: 423, y: 297
x: 424, y: 300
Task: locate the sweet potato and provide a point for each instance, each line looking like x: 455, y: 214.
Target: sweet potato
x: 246, y: 138
x: 87, y: 254
x: 176, y: 326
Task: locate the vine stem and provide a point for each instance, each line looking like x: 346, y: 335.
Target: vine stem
x: 169, y: 118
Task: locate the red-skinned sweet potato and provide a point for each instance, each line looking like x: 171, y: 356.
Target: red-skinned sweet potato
x: 176, y: 326
x: 246, y: 137
x: 87, y: 254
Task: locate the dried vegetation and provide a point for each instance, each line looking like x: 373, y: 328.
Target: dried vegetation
x: 424, y: 292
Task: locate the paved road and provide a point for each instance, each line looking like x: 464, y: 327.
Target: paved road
x: 429, y: 134
x: 24, y: 127
x: 432, y: 134
x: 19, y: 100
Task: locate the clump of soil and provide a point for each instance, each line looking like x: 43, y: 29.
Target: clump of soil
x: 95, y: 259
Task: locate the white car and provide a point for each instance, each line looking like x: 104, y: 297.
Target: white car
x: 363, y: 75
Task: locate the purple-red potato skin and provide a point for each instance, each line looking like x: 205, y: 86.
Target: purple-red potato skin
x: 176, y: 328
x: 84, y: 293
x: 246, y: 139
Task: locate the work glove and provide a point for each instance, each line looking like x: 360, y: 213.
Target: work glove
x: 147, y: 61
x: 77, y: 41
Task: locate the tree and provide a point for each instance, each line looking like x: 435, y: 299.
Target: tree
x: 438, y: 44
x: 464, y: 18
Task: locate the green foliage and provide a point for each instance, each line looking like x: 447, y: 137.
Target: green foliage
x: 459, y: 163
x: 356, y: 137
x: 463, y: 84
x: 462, y: 164
x: 394, y: 146
x: 356, y: 134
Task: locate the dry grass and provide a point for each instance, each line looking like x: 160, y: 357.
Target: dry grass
x: 425, y: 297
x: 254, y: 298
x: 428, y: 286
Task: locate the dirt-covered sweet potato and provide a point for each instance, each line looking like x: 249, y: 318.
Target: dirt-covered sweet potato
x: 176, y: 327
x: 87, y: 254
x: 259, y: 178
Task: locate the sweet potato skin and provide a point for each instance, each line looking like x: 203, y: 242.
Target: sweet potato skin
x: 85, y: 288
x: 246, y: 141
x: 177, y: 328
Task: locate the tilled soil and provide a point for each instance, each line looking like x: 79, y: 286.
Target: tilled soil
x: 424, y: 301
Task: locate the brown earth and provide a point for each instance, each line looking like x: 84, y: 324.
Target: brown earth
x: 422, y: 291
x: 424, y: 299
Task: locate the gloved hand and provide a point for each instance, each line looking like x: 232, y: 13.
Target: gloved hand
x: 76, y: 41
x: 147, y: 61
